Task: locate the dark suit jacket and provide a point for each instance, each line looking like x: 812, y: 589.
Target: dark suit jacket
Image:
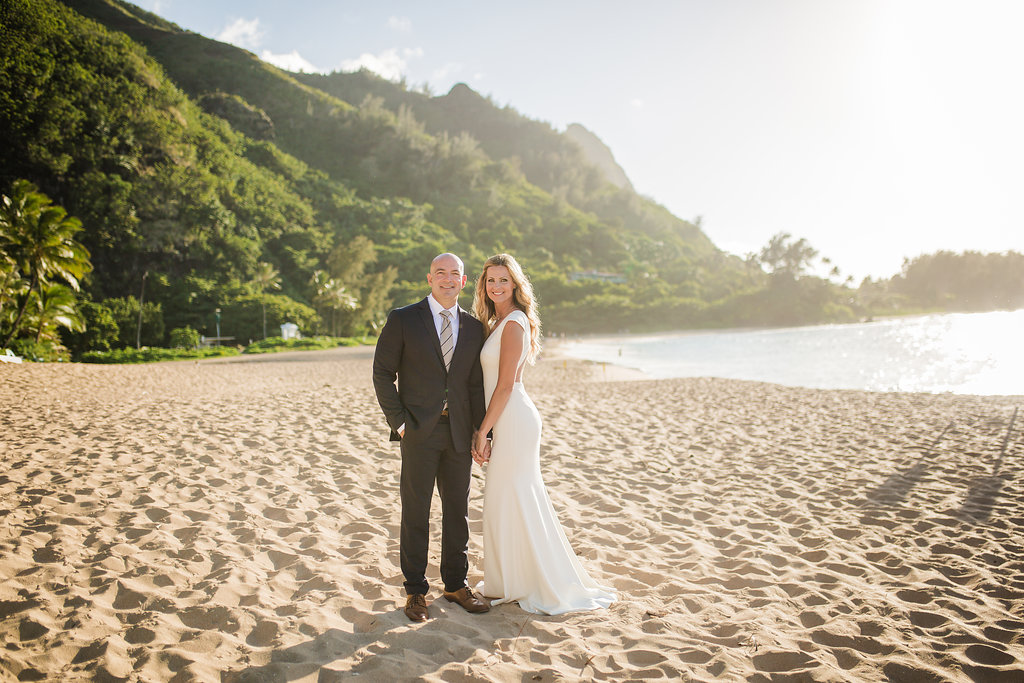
x: 409, y: 350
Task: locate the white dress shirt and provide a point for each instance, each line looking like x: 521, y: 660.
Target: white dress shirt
x: 435, y: 309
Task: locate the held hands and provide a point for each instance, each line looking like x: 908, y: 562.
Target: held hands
x: 481, y: 448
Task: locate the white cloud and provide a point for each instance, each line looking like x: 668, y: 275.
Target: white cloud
x: 389, y: 64
x: 400, y: 24
x: 636, y: 103
x: 291, y: 61
x: 244, y: 33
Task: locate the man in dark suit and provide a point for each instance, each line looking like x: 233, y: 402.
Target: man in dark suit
x: 432, y: 349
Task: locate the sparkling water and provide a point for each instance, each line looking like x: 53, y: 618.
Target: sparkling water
x: 965, y: 353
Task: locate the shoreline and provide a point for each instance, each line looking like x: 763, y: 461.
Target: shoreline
x: 761, y: 328
x: 553, y: 356
x: 937, y: 354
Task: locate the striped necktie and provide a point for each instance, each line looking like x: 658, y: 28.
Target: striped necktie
x: 447, y: 347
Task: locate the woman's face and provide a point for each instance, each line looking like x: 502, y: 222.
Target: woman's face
x: 499, y: 284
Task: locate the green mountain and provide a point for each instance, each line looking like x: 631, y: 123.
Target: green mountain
x: 599, y: 154
x: 424, y: 148
x: 204, y: 177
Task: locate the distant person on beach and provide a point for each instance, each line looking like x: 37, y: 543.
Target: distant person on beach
x: 527, y: 557
x: 428, y: 380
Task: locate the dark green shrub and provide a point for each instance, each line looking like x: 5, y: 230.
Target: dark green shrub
x: 152, y: 355
x: 39, y: 352
x: 184, y: 338
x: 125, y: 312
x: 274, y: 344
x: 100, y: 330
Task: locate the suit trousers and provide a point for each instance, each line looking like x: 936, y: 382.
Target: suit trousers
x: 424, y: 463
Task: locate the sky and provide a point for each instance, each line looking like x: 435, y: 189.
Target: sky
x: 877, y: 130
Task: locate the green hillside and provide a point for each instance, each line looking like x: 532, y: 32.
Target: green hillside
x: 455, y: 152
x: 190, y: 162
x: 212, y: 187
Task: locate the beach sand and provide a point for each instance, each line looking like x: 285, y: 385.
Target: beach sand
x: 237, y: 520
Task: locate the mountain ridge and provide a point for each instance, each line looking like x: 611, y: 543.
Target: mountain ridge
x: 599, y: 154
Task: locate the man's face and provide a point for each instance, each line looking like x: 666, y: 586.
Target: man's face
x: 446, y: 280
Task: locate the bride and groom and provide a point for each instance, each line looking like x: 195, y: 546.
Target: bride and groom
x: 450, y: 386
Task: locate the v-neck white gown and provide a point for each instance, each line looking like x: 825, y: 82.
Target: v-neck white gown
x: 527, y: 558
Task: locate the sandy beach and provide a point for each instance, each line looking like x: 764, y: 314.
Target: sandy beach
x: 237, y: 520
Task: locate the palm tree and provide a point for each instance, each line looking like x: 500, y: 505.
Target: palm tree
x: 338, y: 298
x: 12, y: 284
x: 320, y: 281
x: 266, y: 278
x: 55, y: 306
x: 40, y: 241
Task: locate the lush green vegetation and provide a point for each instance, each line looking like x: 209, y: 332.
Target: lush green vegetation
x: 41, y: 264
x: 970, y: 281
x: 153, y: 355
x: 275, y: 344
x: 190, y: 352
x: 215, y: 195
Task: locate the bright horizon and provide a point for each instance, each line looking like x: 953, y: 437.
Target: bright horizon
x: 875, y: 129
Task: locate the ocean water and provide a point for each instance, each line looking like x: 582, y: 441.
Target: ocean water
x: 965, y: 353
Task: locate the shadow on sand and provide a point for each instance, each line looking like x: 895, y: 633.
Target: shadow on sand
x: 329, y: 656
x: 984, y: 491
x: 897, y: 487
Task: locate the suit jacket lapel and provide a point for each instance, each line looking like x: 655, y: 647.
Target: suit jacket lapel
x: 464, y: 318
x: 431, y: 329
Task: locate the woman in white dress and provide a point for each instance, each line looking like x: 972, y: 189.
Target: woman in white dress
x: 527, y: 558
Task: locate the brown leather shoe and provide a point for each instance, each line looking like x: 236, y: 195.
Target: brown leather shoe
x: 416, y: 607
x: 465, y: 598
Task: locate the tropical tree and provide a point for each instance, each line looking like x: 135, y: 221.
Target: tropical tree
x: 332, y: 294
x: 785, y: 256
x: 39, y: 240
x: 376, y: 302
x: 319, y: 281
x: 12, y: 284
x: 338, y: 298
x: 348, y: 264
x: 53, y: 306
x: 267, y: 277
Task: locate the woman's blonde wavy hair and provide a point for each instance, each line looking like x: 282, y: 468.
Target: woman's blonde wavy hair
x: 522, y: 297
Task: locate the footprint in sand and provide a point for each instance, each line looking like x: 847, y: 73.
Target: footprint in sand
x: 986, y: 654
x: 863, y: 644
x: 264, y: 634
x: 46, y: 555
x: 208, y: 618
x: 810, y: 619
x: 139, y: 635
x: 783, y: 662
x: 915, y: 596
x: 29, y: 629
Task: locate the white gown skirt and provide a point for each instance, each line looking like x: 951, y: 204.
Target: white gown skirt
x: 527, y: 557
